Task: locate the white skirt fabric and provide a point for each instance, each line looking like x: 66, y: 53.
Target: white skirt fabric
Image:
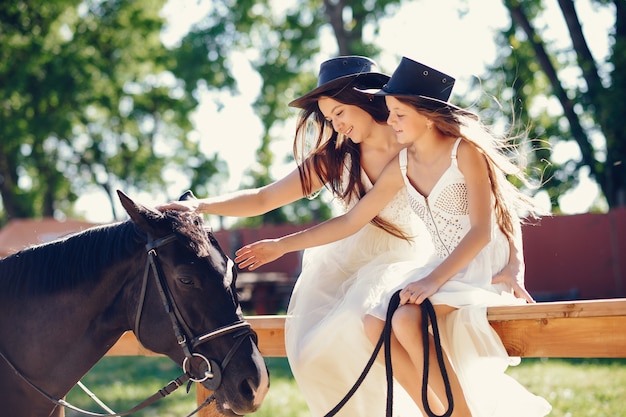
x: 480, y: 361
x: 343, y: 281
x: 475, y: 350
x: 325, y: 340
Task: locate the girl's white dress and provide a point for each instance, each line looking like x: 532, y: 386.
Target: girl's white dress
x: 325, y: 341
x: 474, y: 348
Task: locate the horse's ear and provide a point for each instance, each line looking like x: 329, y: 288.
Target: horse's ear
x: 187, y: 195
x: 138, y: 213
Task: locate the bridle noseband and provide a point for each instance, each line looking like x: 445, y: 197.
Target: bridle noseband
x: 211, y: 377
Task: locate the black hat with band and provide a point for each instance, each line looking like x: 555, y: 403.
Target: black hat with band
x: 414, y: 79
x: 338, y: 71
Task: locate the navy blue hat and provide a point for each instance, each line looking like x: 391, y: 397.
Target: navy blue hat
x: 337, y: 71
x: 414, y: 79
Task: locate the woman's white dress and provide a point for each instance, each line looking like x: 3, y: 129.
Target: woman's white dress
x: 325, y: 341
x: 473, y: 347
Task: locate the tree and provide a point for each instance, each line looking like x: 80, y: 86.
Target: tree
x: 121, y: 116
x: 284, y: 48
x: 91, y: 96
x: 591, y: 108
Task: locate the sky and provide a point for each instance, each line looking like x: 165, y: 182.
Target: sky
x: 429, y: 31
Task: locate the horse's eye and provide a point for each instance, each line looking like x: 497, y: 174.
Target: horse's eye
x: 185, y: 281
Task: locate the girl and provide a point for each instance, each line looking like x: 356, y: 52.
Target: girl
x: 456, y: 184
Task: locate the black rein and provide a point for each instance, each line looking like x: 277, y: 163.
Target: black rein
x: 428, y: 314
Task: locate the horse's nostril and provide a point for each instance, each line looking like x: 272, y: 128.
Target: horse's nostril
x: 247, y: 388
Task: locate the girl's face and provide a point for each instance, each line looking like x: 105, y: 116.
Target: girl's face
x: 348, y: 119
x: 407, y: 122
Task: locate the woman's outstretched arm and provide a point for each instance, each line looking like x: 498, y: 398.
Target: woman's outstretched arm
x: 264, y: 251
x: 246, y: 203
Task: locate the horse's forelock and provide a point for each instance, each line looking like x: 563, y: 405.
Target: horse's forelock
x: 189, y: 227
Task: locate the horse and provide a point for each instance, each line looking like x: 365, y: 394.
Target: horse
x: 65, y: 303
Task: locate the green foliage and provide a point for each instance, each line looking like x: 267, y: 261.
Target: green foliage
x: 92, y: 97
x: 533, y: 70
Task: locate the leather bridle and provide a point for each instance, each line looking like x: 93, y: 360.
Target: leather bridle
x: 184, y: 335
x: 212, y: 375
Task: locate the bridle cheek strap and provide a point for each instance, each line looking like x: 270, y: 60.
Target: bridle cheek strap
x: 182, y: 331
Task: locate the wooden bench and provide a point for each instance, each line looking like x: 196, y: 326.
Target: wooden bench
x: 564, y: 329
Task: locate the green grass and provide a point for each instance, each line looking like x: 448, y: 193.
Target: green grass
x: 575, y: 388
x: 123, y: 382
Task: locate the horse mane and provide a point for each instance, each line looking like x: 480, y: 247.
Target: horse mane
x: 69, y: 261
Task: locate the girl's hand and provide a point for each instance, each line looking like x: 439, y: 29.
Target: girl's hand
x: 185, y: 205
x: 258, y: 253
x: 514, y: 278
x: 417, y: 291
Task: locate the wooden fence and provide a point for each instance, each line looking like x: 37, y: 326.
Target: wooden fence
x: 569, y: 329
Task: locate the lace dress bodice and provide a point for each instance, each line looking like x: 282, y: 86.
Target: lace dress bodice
x: 444, y: 211
x: 397, y: 211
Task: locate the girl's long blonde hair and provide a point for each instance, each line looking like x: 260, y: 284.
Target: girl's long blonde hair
x: 499, y: 152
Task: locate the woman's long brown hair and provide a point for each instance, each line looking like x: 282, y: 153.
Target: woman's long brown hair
x: 333, y: 152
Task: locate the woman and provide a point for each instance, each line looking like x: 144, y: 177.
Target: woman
x: 456, y: 182
x: 326, y: 344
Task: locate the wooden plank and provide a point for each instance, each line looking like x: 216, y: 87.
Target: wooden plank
x: 210, y: 410
x: 565, y: 329
x: 128, y: 345
x: 584, y: 308
x: 270, y: 329
x: 271, y: 332
x: 581, y: 337
x: 593, y: 328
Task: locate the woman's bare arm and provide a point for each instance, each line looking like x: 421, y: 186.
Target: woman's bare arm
x: 259, y: 253
x: 246, y: 203
x: 513, y: 273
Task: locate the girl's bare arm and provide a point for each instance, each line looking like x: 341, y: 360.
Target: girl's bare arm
x: 513, y: 273
x: 474, y: 168
x: 259, y: 253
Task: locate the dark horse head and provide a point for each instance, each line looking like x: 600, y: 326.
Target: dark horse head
x: 162, y: 275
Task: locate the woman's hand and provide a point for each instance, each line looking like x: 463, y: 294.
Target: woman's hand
x: 258, y: 253
x: 185, y: 205
x: 513, y: 276
x: 417, y: 291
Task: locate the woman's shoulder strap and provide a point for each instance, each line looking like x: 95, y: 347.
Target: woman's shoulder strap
x: 455, y: 149
x: 402, y: 156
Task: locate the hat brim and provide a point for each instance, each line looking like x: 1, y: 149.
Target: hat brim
x: 377, y: 77
x: 381, y: 92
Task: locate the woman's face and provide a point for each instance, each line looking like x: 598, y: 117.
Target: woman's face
x: 407, y: 122
x: 348, y: 119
